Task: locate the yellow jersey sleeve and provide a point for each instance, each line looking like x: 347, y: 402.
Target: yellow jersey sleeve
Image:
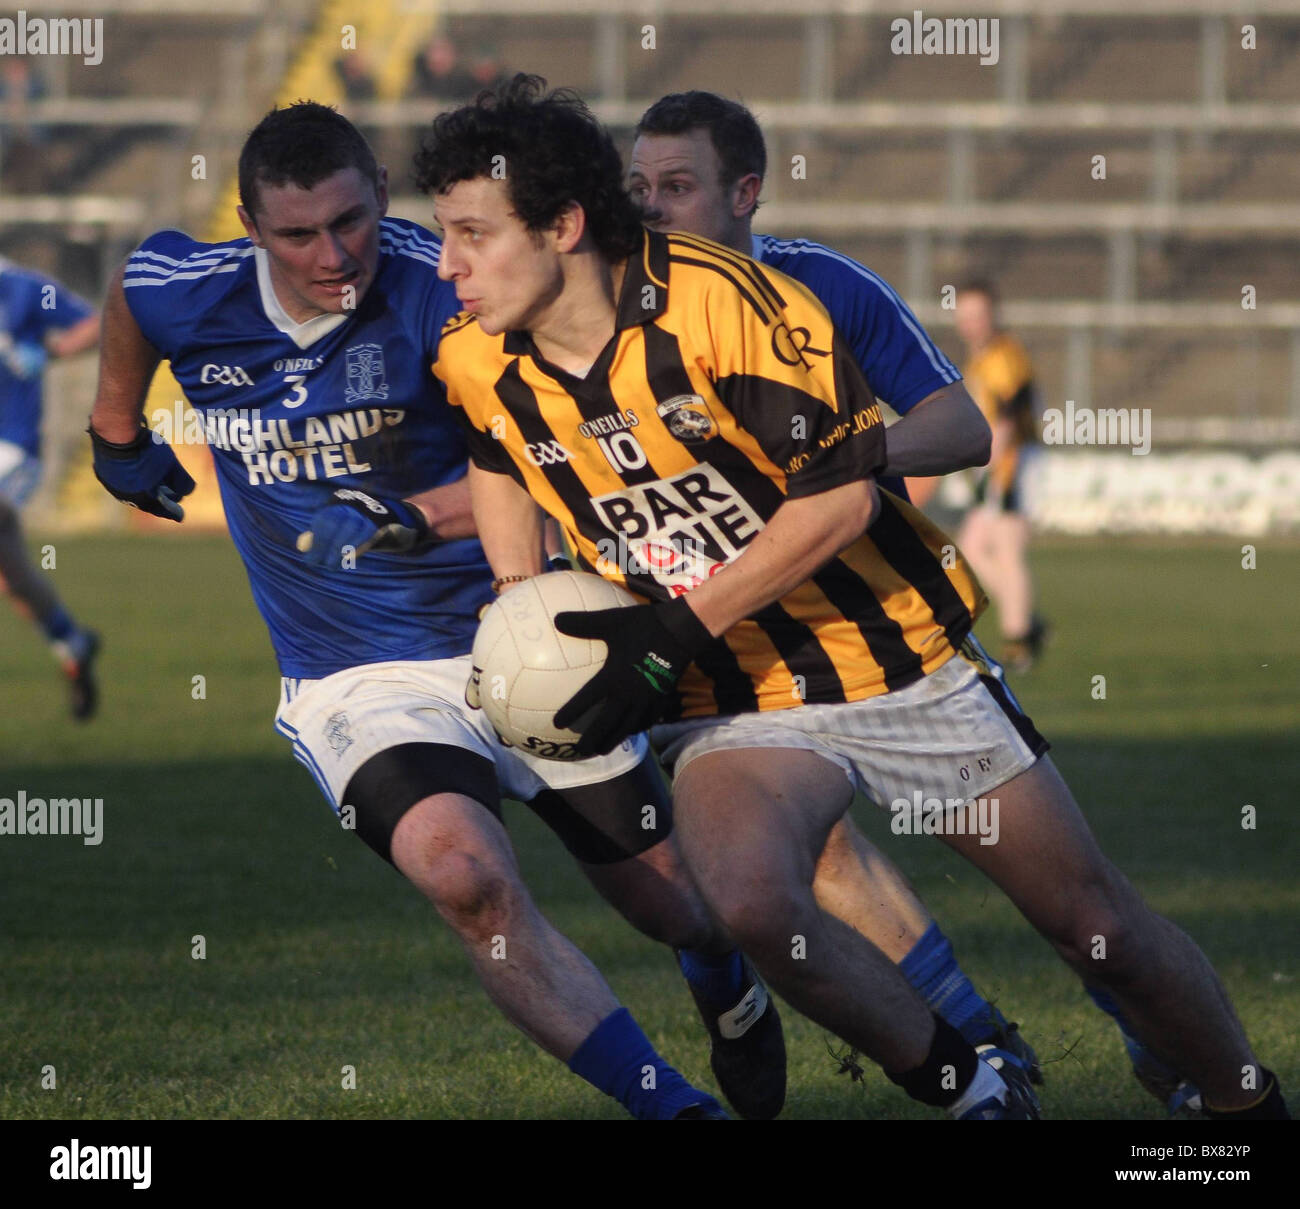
x: 780, y: 367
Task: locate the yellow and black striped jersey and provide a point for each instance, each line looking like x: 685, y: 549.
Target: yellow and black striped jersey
x: 1000, y: 379
x: 724, y: 391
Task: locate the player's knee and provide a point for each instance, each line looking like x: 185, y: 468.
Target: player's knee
x: 471, y: 894
x: 1103, y: 939
x: 764, y: 917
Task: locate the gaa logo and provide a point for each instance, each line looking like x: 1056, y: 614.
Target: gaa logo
x: 688, y: 418
x: 547, y: 453
x: 225, y: 375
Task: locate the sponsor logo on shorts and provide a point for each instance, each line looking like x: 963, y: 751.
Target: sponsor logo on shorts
x: 337, y: 733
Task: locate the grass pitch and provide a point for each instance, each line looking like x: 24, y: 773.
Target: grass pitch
x: 318, y: 956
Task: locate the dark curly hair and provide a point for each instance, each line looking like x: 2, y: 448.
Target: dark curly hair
x: 734, y: 132
x: 301, y: 145
x: 552, y: 151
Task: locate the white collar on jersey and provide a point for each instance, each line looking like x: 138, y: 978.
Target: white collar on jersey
x: 756, y: 247
x: 302, y: 334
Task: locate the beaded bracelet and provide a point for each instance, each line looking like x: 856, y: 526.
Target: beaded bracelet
x: 498, y: 584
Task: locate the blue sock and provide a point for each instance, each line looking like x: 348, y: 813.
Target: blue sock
x: 618, y: 1059
x: 933, y: 971
x: 1138, y: 1054
x: 718, y: 979
x: 59, y: 626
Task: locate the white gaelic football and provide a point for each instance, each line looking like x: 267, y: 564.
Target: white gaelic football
x: 527, y: 669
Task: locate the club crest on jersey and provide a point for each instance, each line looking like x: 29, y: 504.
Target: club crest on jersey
x: 688, y: 418
x: 365, y: 374
x: 336, y: 733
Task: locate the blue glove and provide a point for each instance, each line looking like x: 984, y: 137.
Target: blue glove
x: 143, y: 473
x: 353, y: 523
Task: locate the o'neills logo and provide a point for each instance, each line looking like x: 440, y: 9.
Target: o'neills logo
x: 688, y: 418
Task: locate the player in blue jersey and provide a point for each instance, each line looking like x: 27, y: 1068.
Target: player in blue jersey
x: 39, y: 319
x: 306, y: 348
x: 698, y: 166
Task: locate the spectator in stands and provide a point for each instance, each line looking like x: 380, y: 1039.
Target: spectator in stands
x: 20, y: 136
x: 486, y: 67
x: 995, y: 533
x: 438, y: 72
x: 39, y: 319
x: 354, y: 73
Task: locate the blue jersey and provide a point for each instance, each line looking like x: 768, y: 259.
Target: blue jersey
x: 291, y: 412
x: 30, y: 307
x: 900, y: 362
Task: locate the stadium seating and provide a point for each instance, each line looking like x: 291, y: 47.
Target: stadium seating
x: 928, y: 168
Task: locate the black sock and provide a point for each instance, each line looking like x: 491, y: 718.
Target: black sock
x: 946, y: 1072
x: 1269, y: 1107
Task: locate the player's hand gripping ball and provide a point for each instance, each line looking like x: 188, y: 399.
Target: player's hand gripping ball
x: 567, y: 665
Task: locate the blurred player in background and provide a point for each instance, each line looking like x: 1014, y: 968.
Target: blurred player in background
x: 697, y: 166
x: 306, y: 347
x: 811, y: 636
x: 994, y: 535
x: 39, y: 319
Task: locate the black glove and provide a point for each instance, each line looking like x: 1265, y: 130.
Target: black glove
x: 650, y: 647
x: 143, y: 473
x: 355, y: 522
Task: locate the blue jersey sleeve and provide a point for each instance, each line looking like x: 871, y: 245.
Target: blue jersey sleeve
x: 169, y: 281
x: 900, y: 361
x: 436, y: 302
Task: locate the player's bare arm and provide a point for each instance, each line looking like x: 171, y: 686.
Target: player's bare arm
x: 127, y: 362
x: 446, y: 510
x: 75, y: 339
x: 509, y: 523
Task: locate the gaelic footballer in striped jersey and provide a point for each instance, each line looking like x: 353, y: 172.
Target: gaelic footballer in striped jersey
x: 816, y: 641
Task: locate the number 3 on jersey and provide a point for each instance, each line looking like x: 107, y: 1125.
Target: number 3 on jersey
x: 299, y: 396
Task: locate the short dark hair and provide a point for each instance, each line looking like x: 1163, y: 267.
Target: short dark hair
x: 980, y: 285
x: 552, y: 151
x: 301, y: 145
x: 734, y: 132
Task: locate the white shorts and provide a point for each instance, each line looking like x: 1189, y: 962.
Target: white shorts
x: 954, y: 734
x: 19, y: 474
x: 339, y: 722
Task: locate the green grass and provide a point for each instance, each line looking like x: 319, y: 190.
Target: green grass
x: 318, y: 955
